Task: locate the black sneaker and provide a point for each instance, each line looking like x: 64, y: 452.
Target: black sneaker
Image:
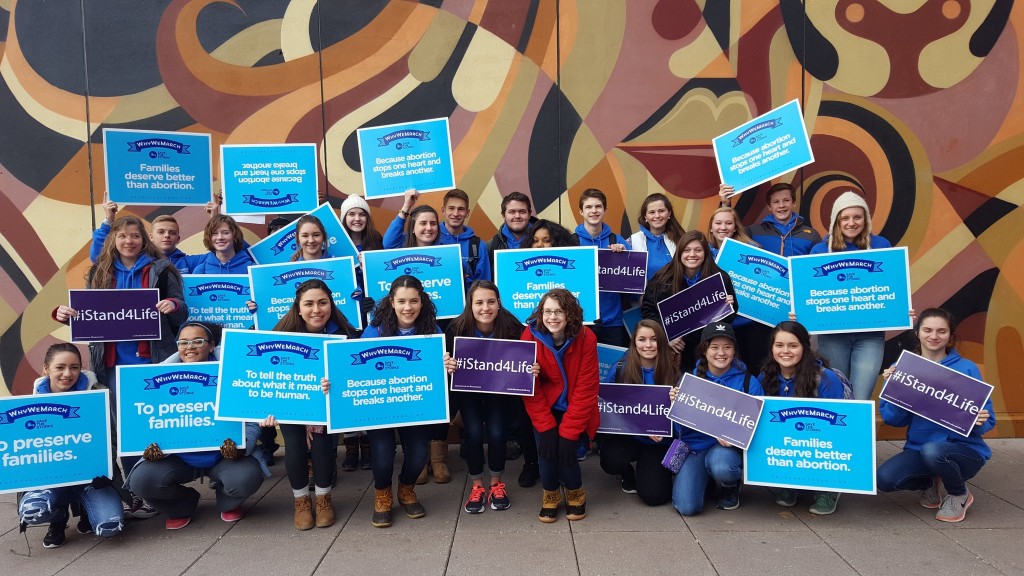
x: 513, y: 450
x: 475, y: 503
x: 628, y: 480
x: 498, y: 497
x: 729, y: 498
x: 530, y: 474
x: 84, y: 526
x: 55, y: 536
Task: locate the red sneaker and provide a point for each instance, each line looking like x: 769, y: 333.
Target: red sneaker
x: 232, y: 515
x: 177, y: 523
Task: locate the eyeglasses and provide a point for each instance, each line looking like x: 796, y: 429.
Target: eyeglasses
x: 553, y: 313
x: 193, y: 343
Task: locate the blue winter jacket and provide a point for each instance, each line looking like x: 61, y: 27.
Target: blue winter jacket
x: 794, y: 238
x: 921, y: 431
x: 873, y: 242
x: 482, y: 270
x: 209, y: 264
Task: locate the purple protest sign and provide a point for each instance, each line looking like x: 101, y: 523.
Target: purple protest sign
x: 694, y: 308
x: 624, y: 272
x: 115, y: 315
x: 716, y: 410
x: 494, y: 366
x: 932, y: 391
x: 634, y: 409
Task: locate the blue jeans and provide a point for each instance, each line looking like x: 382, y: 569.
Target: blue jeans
x: 480, y: 411
x: 858, y: 355
x: 415, y: 441
x: 690, y: 483
x: 725, y: 465
x: 553, y: 474
x: 162, y: 483
x: 103, y: 506
x: 954, y: 463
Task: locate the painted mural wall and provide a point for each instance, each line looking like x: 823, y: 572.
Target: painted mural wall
x: 917, y: 103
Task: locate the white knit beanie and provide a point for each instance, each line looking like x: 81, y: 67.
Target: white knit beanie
x: 848, y: 199
x: 351, y: 202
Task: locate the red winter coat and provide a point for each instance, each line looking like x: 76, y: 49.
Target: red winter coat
x: 581, y: 369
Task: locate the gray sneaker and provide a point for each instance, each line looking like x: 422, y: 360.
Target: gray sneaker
x: 929, y: 497
x: 954, y: 508
x: 825, y: 503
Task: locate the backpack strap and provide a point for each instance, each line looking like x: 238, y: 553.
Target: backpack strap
x: 474, y: 255
x: 746, y: 382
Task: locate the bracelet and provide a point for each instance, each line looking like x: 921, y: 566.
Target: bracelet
x: 403, y: 213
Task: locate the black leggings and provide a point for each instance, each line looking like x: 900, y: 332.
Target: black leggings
x: 322, y: 450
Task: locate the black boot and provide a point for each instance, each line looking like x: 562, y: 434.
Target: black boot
x: 351, y: 461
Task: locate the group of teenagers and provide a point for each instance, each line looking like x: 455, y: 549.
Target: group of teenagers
x: 558, y: 424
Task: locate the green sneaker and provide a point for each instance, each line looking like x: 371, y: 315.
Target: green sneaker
x: 786, y: 497
x: 825, y: 503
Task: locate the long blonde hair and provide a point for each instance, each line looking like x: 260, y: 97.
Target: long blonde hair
x: 101, y: 275
x: 741, y: 230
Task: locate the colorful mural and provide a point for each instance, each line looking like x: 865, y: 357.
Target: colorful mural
x: 917, y: 103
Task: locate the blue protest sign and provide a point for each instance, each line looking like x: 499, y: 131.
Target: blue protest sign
x: 760, y: 280
x: 852, y: 291
x: 273, y: 287
x: 397, y: 157
x: 607, y: 357
x: 624, y: 272
x: 439, y: 268
x: 634, y: 409
x: 525, y: 275
x: 268, y: 178
x: 218, y: 298
x: 172, y: 405
x: 936, y: 393
x: 386, y: 382
x: 630, y: 318
x: 158, y: 168
x: 763, y: 148
x: 278, y: 373
x: 280, y: 246
x: 814, y: 444
x: 51, y: 440
x: 115, y: 315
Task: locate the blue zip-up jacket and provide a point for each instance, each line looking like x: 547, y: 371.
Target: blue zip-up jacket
x: 659, y: 249
x: 482, y: 271
x: 921, y: 431
x: 794, y: 238
x: 873, y: 242
x: 610, y: 302
x: 394, y: 236
x: 733, y: 378
x: 209, y: 264
x: 374, y: 332
x: 829, y: 387
x: 99, y: 236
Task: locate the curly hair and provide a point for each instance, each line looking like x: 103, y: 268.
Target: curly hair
x: 308, y: 219
x: 292, y: 321
x: 666, y: 367
x: 101, y: 274
x: 214, y: 223
x: 807, y: 373
x: 567, y: 302
x: 506, y: 325
x: 560, y: 237
x: 386, y: 320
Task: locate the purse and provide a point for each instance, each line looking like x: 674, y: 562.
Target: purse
x: 676, y: 455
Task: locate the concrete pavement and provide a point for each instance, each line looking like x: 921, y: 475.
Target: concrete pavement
x: 884, y: 534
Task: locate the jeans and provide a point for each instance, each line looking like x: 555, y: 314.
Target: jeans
x: 322, y: 451
x: 553, y: 474
x: 690, y: 483
x: 480, y: 411
x: 162, y: 484
x: 103, y: 507
x: 653, y: 481
x: 858, y: 355
x: 952, y: 462
x: 415, y: 440
x: 725, y: 465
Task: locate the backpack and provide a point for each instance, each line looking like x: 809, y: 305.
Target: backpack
x: 847, y: 387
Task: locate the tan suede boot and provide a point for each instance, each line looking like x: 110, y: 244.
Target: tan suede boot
x: 324, y: 511
x: 438, y: 461
x: 549, y: 507
x: 576, y: 504
x: 422, y: 478
x: 407, y: 498
x: 304, y: 512
x: 382, y: 503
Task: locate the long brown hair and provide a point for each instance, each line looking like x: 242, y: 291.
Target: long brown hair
x: 836, y: 240
x: 101, y: 275
x: 741, y: 231
x: 308, y: 219
x: 674, y: 273
x: 292, y: 321
x: 410, y: 225
x: 568, y: 303
x: 805, y: 380
x: 372, y: 240
x: 666, y: 367
x: 673, y: 229
x: 506, y: 325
